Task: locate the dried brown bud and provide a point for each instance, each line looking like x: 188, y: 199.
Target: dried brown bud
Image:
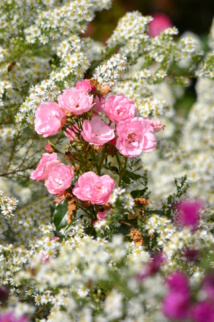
x: 86, y: 203
x: 141, y: 201
x: 151, y: 235
x: 131, y: 217
x: 111, y: 150
x: 125, y: 223
x: 136, y: 236
x: 71, y: 208
x: 107, y: 206
x: 11, y: 66
x: 68, y: 157
x: 102, y: 90
x: 98, y: 147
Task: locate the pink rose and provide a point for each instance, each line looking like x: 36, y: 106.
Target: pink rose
x: 71, y: 133
x: 98, y: 102
x: 75, y: 101
x: 102, y: 215
x: 84, y: 85
x: 96, y: 131
x: 94, y: 188
x: 135, y: 136
x: 59, y: 179
x: 47, y: 162
x: 119, y: 108
x: 159, y: 23
x: 48, y: 148
x: 49, y: 119
x: 156, y: 124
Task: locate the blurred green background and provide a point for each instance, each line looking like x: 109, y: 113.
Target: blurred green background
x: 187, y: 15
x: 191, y: 15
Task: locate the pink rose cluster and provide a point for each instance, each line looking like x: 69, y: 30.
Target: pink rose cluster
x: 58, y: 176
x: 50, y: 117
x: 132, y: 135
x: 94, y: 188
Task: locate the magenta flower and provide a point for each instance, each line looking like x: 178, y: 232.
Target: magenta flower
x: 159, y: 23
x: 135, y: 136
x: 176, y: 305
x: 178, y: 282
x: 94, y: 188
x: 119, y: 108
x: 97, y: 132
x: 192, y: 255
x: 153, y: 267
x: 49, y: 119
x: 75, y: 101
x: 4, y: 294
x: 47, y: 162
x: 208, y: 285
x: 203, y: 312
x: 188, y: 213
x: 10, y: 317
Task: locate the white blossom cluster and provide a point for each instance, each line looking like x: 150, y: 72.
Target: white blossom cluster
x: 7, y: 205
x: 132, y: 26
x: 68, y: 274
x: 112, y: 70
x: 72, y: 17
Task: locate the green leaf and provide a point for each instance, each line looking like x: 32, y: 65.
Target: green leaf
x: 60, y: 215
x: 124, y: 229
x: 113, y: 169
x: 130, y: 175
x: 158, y: 212
x: 137, y: 193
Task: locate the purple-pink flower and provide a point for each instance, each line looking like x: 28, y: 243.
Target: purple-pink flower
x: 153, y: 267
x: 75, y: 101
x: 203, y: 312
x: 49, y: 119
x: 94, y: 188
x: 59, y: 178
x: 178, y: 282
x: 159, y: 23
x: 208, y: 285
x: 176, y: 305
x: 4, y: 294
x: 188, y: 213
x: 119, y: 108
x: 96, y: 131
x: 47, y: 162
x: 10, y: 317
x: 135, y: 136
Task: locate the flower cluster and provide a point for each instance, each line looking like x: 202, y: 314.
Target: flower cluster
x: 132, y: 135
x: 121, y: 223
